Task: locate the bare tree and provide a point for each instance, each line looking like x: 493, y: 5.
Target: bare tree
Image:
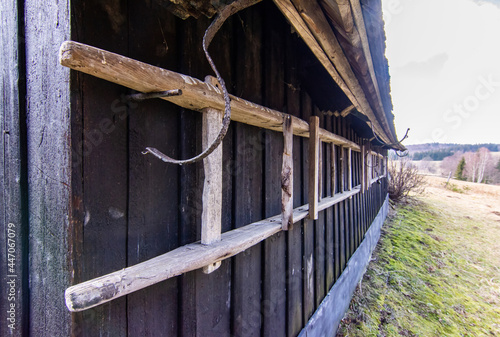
x: 404, y: 178
x: 472, y: 165
x: 477, y: 164
x: 484, y: 159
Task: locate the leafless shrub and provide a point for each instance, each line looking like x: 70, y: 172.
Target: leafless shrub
x: 404, y: 178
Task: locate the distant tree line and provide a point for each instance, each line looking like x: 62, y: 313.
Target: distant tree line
x: 449, y: 149
x: 436, y: 155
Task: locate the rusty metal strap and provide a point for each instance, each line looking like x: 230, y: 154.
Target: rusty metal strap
x: 207, y: 39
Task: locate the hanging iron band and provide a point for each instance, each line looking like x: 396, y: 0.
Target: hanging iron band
x: 207, y: 39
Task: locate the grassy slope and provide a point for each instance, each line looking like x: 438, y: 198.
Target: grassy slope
x: 430, y: 276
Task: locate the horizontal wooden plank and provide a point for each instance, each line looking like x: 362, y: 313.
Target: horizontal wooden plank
x: 196, y: 95
x: 182, y: 260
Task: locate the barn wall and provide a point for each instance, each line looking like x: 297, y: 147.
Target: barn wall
x: 13, y: 234
x: 96, y: 204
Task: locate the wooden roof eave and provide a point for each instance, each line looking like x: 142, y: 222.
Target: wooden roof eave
x: 309, y: 21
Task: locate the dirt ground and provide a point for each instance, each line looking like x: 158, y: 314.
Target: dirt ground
x: 479, y: 203
x: 478, y: 199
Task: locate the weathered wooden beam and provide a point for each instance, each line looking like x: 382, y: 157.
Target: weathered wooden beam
x: 347, y: 111
x: 369, y: 164
x: 308, y: 19
x: 357, y: 13
x: 313, y: 167
x: 187, y: 258
x: 349, y: 169
x: 211, y: 216
x: 363, y: 168
x: 341, y: 170
x: 347, y: 18
x: 196, y: 95
x: 287, y: 175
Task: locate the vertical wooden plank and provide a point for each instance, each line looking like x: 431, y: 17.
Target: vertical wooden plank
x: 153, y: 193
x: 313, y: 166
x: 294, y: 236
x: 247, y: 175
x: 329, y: 233
x: 287, y: 175
x: 319, y: 258
x: 320, y: 230
x: 48, y: 117
x: 333, y: 174
x: 190, y: 34
x: 274, y: 281
x: 350, y: 201
x: 341, y: 169
x: 349, y: 169
x: 308, y: 231
x: 342, y: 238
x: 363, y: 169
x: 352, y: 229
x: 14, y: 302
x: 105, y: 166
x: 346, y: 203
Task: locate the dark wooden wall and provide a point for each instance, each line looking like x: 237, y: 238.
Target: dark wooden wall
x: 97, y: 204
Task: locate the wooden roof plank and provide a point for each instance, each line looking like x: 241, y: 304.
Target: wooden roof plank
x: 308, y: 19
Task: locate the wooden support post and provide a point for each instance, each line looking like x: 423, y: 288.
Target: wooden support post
x: 333, y: 175
x: 363, y: 168
x: 342, y: 170
x: 349, y: 169
x: 211, y: 216
x: 369, y: 166
x: 313, y: 166
x: 287, y: 175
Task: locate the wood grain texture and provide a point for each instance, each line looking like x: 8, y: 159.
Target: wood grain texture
x: 273, y: 304
x: 287, y: 175
x: 49, y: 166
x: 247, y: 175
x: 313, y: 167
x: 294, y: 236
x: 211, y: 216
x: 14, y: 303
x: 313, y: 16
x: 153, y: 123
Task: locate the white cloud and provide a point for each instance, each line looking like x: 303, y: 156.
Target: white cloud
x: 441, y: 53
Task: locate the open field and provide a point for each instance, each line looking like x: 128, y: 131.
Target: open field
x: 436, y: 270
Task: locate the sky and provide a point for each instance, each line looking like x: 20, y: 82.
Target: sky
x: 444, y: 62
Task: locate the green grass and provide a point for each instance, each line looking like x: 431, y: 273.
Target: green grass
x: 426, y: 278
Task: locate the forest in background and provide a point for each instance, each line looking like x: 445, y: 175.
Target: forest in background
x: 479, y: 163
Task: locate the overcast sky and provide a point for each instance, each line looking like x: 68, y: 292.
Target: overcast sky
x: 444, y: 61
